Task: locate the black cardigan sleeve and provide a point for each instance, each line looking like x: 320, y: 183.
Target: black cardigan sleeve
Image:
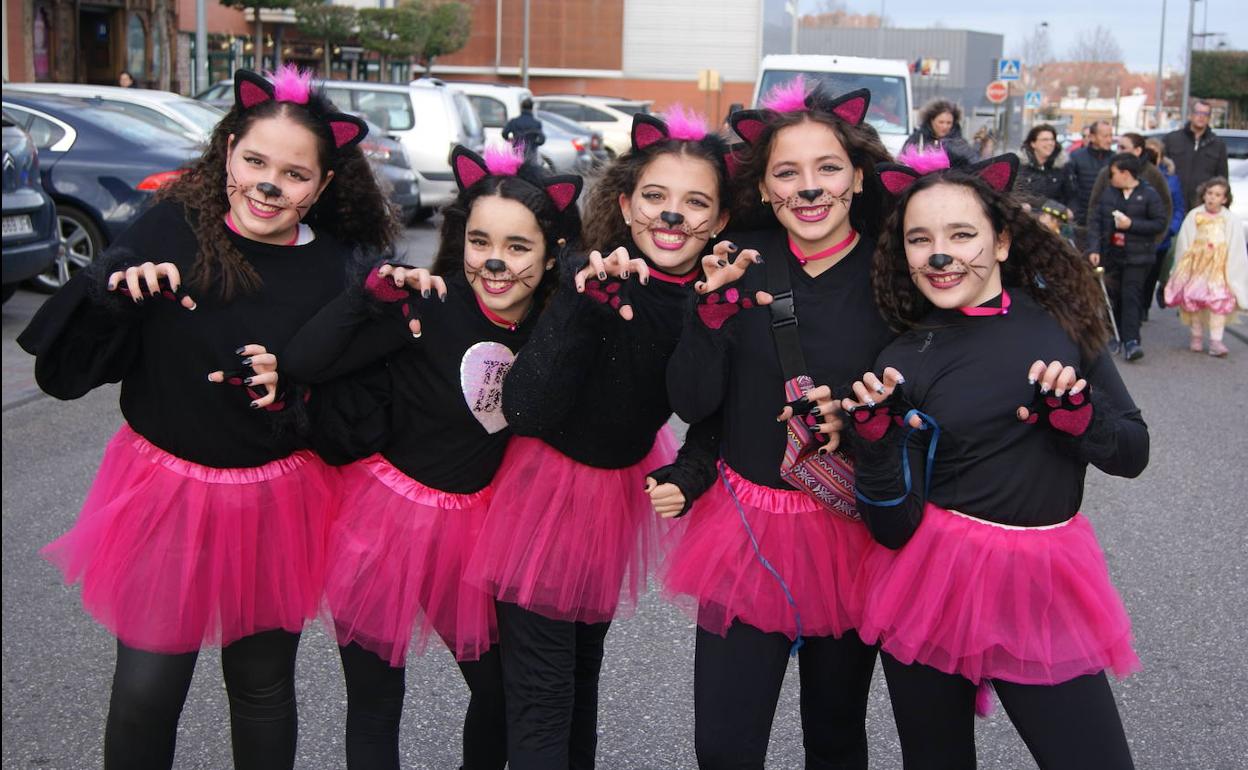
x: 694, y: 469
x: 1116, y: 440
x: 697, y: 373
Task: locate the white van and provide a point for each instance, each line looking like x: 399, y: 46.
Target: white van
x: 887, y: 79
x: 495, y: 104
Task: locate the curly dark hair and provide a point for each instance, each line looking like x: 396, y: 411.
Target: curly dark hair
x: 937, y: 107
x: 863, y: 144
x: 1041, y: 263
x: 1214, y: 181
x: 352, y: 209
x: 604, y: 225
x: 562, y: 229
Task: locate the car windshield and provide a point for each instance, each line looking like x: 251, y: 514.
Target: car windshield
x: 559, y: 121
x: 889, y: 112
x: 205, y: 116
x: 128, y: 127
x: 630, y: 108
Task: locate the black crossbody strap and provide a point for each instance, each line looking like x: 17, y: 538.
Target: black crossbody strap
x: 784, y: 318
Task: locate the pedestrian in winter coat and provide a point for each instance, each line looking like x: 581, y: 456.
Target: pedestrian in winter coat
x: 1197, y: 152
x: 1085, y: 165
x: 940, y: 126
x: 1149, y: 173
x: 1122, y: 234
x: 525, y: 131
x: 1041, y: 168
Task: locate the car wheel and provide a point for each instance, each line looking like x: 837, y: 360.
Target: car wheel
x: 9, y: 290
x: 81, y: 243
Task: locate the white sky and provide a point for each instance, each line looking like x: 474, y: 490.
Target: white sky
x: 1136, y: 25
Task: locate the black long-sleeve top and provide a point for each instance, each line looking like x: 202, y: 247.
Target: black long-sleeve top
x: 591, y: 384
x: 736, y: 369
x: 969, y: 373
x: 85, y: 336
x: 385, y: 391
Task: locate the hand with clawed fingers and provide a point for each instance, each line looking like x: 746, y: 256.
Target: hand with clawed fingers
x: 259, y: 368
x: 1062, y: 398
x: 877, y: 403
x: 397, y: 283
x: 718, y: 298
x: 151, y: 280
x: 822, y: 415
x: 605, y: 279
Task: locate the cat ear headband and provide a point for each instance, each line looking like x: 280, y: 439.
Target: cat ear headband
x: 998, y: 172
x: 794, y: 96
x: 679, y: 124
x: 470, y: 168
x: 290, y: 84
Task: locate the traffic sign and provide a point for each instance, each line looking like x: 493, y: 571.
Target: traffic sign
x: 1033, y: 100
x: 997, y: 91
x: 1009, y: 69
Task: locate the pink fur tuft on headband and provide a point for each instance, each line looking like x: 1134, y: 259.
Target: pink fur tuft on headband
x: 291, y: 84
x: 787, y: 97
x: 924, y: 162
x: 685, y: 124
x: 504, y: 159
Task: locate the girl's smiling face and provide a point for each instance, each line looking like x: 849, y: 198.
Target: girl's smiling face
x: 504, y: 255
x: 952, y: 251
x: 273, y: 176
x: 674, y: 210
x: 810, y: 183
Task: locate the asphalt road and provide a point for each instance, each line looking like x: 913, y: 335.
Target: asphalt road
x: 1176, y: 540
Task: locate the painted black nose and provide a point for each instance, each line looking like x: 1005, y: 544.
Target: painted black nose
x: 495, y: 266
x: 810, y: 195
x: 269, y: 190
x: 671, y: 218
x: 939, y: 261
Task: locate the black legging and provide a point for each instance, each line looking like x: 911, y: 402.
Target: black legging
x: 550, y: 674
x: 375, y: 706
x: 737, y: 680
x: 149, y: 690
x: 1069, y: 726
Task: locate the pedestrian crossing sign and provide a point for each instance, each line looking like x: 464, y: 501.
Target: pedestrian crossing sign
x: 1009, y: 69
x: 1033, y: 100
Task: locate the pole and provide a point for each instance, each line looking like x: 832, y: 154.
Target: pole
x: 879, y: 38
x: 201, y: 46
x: 1187, y: 74
x: 498, y: 35
x: 1161, y: 50
x: 793, y: 31
x: 524, y: 64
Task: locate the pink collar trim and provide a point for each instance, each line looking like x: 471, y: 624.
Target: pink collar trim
x: 679, y: 280
x: 983, y: 310
x: 495, y: 318
x: 828, y: 252
x: 229, y: 222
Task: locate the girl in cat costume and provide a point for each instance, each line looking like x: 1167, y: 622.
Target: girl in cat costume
x: 206, y: 522
x: 412, y: 394
x: 973, y: 432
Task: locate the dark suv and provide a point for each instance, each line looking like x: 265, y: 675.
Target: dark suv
x: 30, y: 238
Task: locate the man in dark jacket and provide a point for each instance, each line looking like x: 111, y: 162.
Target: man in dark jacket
x: 1122, y: 234
x: 526, y: 129
x: 1083, y: 167
x: 1198, y: 153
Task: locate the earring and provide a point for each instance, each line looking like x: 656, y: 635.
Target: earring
x: 714, y: 234
x: 628, y: 222
x: 765, y: 199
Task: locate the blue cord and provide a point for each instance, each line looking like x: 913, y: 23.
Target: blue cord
x: 758, y: 553
x: 927, y: 422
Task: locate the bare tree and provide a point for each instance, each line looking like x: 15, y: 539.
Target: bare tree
x: 1095, y: 46
x: 1036, y: 51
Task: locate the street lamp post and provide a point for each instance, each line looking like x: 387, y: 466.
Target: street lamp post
x: 1161, y: 49
x: 524, y: 65
x: 791, y: 7
x: 201, y: 46
x: 1187, y: 75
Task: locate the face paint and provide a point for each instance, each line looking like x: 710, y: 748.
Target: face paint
x: 673, y: 211
x: 269, y: 190
x: 810, y: 184
x: 671, y: 218
x: 939, y: 261
x: 273, y: 177
x: 504, y: 255
x: 810, y: 195
x: 952, y: 252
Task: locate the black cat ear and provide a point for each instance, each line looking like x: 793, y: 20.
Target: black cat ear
x: 896, y: 178
x: 468, y: 167
x: 748, y: 124
x: 648, y: 130
x: 251, y: 88
x: 347, y: 129
x: 998, y: 172
x: 563, y: 189
x: 852, y: 107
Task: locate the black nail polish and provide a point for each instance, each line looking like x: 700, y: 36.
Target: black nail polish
x: 247, y: 361
x: 239, y: 351
x: 247, y: 381
x: 815, y: 412
x: 254, y: 405
x: 602, y: 276
x: 722, y: 263
x: 442, y: 298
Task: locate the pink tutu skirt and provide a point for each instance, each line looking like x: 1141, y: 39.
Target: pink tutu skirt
x: 566, y: 540
x: 817, y: 553
x: 173, y: 555
x: 1031, y: 605
x: 396, y: 560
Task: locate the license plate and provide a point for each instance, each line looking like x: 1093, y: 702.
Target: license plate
x: 19, y: 225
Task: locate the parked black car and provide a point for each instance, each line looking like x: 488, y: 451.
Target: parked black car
x: 30, y: 238
x: 101, y: 167
x: 394, y: 173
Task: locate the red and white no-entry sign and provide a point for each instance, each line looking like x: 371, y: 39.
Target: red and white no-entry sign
x: 997, y: 91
